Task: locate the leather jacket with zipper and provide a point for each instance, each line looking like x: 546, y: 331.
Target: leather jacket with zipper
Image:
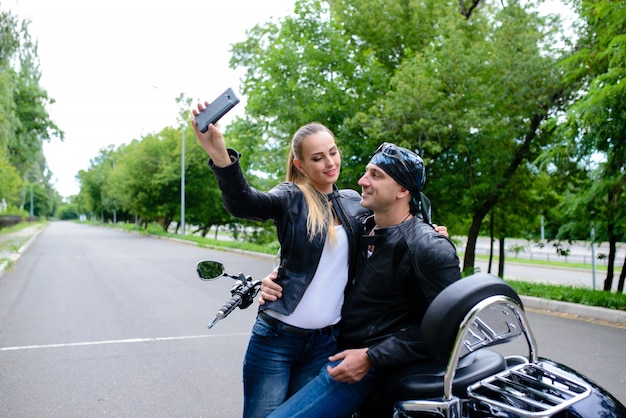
x: 285, y: 205
x: 391, y: 289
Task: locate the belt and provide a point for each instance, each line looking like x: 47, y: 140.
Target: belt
x: 291, y: 329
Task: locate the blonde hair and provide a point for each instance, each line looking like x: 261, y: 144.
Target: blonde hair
x: 319, y: 216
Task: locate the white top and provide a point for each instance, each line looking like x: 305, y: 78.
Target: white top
x: 321, y: 303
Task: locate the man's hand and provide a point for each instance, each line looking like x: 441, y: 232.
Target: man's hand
x: 270, y: 291
x: 442, y: 230
x: 355, y: 364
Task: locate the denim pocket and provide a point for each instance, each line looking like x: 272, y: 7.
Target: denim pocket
x: 263, y: 329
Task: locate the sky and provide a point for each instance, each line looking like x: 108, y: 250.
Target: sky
x: 114, y: 68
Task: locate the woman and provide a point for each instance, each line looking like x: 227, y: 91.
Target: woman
x: 318, y: 228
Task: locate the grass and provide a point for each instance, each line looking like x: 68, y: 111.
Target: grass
x: 571, y: 294
x: 155, y: 230
x: 10, y: 243
x: 10, y: 239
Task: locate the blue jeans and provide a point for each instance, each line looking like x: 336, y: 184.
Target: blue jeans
x: 280, y: 360
x: 324, y: 397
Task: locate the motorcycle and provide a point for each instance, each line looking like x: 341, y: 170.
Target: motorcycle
x: 466, y: 377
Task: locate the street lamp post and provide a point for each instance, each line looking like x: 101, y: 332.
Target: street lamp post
x: 32, y: 211
x: 182, y: 185
x: 592, y: 234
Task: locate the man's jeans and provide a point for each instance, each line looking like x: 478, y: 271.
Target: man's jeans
x: 279, y: 361
x: 324, y: 397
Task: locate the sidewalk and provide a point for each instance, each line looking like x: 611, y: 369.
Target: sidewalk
x: 13, y: 245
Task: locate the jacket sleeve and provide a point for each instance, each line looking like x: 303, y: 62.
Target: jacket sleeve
x: 240, y: 199
x: 436, y: 267
x: 399, y: 349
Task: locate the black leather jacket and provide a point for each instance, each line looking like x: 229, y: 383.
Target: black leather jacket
x: 286, y: 206
x: 386, y: 300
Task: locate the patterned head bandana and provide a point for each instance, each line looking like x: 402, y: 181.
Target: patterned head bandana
x: 405, y: 167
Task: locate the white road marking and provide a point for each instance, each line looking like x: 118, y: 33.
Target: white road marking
x: 126, y: 341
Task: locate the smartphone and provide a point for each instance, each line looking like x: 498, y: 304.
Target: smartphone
x: 216, y: 109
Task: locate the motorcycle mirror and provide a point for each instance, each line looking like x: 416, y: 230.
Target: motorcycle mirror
x: 210, y: 270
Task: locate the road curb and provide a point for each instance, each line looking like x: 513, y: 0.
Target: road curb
x: 578, y: 310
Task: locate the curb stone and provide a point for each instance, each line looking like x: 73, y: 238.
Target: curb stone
x: 576, y: 309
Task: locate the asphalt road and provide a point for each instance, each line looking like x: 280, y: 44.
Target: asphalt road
x: 97, y: 322
x: 579, y: 252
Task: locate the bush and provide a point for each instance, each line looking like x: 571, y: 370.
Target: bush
x: 9, y: 220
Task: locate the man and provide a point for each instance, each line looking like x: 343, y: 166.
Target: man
x: 405, y: 263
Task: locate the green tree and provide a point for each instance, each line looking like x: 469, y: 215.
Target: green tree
x: 516, y: 214
x: 24, y: 120
x: 44, y: 202
x: 472, y: 103
x: 596, y: 122
x: 10, y: 182
x: 68, y: 211
x: 468, y: 89
x: 204, y: 207
x: 143, y: 180
x: 390, y: 30
x: 146, y: 179
x: 93, y: 182
x: 31, y: 122
x: 301, y: 70
x: 9, y: 45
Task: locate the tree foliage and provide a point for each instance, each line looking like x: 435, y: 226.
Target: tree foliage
x: 24, y: 121
x: 10, y: 182
x: 301, y: 70
x: 469, y: 94
x: 143, y: 180
x: 596, y: 122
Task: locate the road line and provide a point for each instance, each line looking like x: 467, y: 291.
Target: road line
x: 126, y: 341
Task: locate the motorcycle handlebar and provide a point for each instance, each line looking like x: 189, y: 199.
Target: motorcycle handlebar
x: 243, y: 296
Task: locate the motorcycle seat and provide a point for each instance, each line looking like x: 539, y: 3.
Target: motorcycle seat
x: 426, y: 380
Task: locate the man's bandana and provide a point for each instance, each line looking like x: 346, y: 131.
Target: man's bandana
x: 405, y: 167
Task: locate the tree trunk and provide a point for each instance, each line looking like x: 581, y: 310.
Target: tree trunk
x: 501, y: 261
x: 491, y: 239
x: 470, y: 247
x: 204, y: 229
x: 608, y: 282
x: 521, y: 154
x: 622, y: 277
x: 166, y: 222
x: 467, y: 10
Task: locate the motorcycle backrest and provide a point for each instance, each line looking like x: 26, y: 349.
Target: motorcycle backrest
x: 495, y: 323
x: 477, y: 312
